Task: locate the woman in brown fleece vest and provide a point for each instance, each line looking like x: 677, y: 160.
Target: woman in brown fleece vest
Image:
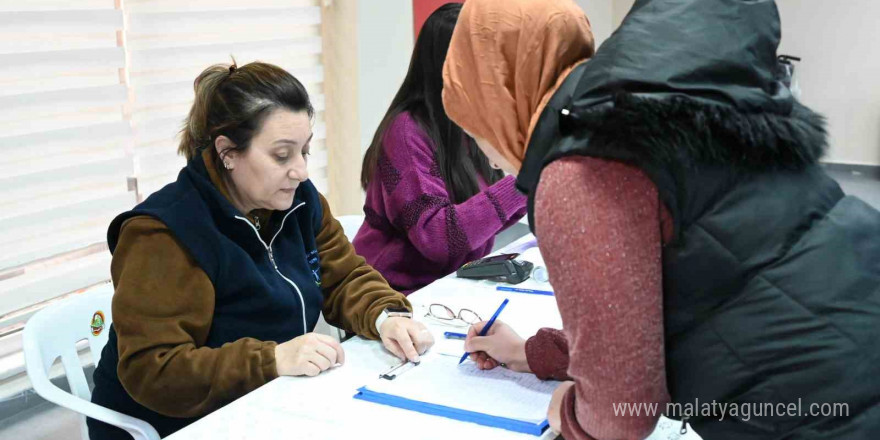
x: 220, y: 276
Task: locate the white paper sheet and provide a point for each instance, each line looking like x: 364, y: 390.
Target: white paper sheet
x: 498, y: 392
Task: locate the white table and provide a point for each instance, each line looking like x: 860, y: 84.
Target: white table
x: 322, y: 407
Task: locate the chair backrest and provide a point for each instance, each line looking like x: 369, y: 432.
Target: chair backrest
x: 54, y: 332
x: 351, y: 224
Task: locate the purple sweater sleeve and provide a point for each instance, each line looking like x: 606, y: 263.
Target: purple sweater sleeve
x: 416, y: 200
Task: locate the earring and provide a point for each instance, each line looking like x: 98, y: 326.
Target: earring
x: 226, y: 164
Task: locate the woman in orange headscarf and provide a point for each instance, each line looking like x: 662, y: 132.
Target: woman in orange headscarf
x: 506, y: 61
x: 697, y: 250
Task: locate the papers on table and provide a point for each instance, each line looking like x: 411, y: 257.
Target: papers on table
x: 439, y: 386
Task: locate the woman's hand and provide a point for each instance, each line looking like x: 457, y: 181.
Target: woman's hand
x: 554, y: 412
x: 308, y: 355
x: 405, y: 338
x: 500, y: 346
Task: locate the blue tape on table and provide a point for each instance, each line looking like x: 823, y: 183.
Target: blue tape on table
x: 522, y: 426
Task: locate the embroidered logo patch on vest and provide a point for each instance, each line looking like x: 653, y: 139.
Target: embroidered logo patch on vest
x: 97, y: 324
x: 315, y: 266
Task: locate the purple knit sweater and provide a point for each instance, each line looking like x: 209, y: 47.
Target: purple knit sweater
x: 413, y: 233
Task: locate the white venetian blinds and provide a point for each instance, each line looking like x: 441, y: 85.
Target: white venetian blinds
x: 92, y: 96
x: 169, y: 42
x: 63, y: 142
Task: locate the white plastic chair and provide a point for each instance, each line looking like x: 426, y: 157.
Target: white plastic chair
x: 53, y: 332
x: 351, y: 224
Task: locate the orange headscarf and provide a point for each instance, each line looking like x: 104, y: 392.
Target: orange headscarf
x: 505, y: 60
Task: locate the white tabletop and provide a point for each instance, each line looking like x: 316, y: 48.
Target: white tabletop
x: 323, y: 407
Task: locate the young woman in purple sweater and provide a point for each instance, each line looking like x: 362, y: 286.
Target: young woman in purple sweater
x: 434, y: 202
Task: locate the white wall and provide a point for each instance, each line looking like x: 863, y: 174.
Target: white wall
x: 840, y: 72
x: 385, y: 43
x: 601, y: 20
x: 619, y: 9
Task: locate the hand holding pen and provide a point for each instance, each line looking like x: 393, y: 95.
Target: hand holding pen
x: 488, y: 325
x: 501, y: 346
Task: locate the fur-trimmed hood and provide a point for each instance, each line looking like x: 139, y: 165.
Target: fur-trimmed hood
x: 668, y: 131
x: 690, y: 81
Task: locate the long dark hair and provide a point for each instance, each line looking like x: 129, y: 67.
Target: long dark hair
x: 459, y: 159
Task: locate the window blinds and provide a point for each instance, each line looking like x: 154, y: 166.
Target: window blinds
x: 93, y: 94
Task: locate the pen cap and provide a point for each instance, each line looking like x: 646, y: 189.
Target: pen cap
x: 539, y: 274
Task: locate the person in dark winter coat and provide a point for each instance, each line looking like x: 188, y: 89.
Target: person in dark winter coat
x: 704, y: 264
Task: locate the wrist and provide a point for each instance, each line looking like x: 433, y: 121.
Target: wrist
x: 280, y: 363
x: 519, y: 362
x: 391, y: 312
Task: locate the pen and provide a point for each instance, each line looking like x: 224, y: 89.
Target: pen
x: 453, y: 335
x: 486, y: 327
x: 520, y: 290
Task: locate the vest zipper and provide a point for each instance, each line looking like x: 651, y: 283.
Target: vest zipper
x: 272, y: 258
x: 268, y: 247
x: 684, y: 427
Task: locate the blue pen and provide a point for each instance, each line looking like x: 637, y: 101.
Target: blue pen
x: 486, y: 327
x: 453, y: 335
x: 521, y: 290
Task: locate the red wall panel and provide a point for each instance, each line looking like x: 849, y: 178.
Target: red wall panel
x: 422, y: 9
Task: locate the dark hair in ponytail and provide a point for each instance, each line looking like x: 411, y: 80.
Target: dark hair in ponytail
x: 234, y: 101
